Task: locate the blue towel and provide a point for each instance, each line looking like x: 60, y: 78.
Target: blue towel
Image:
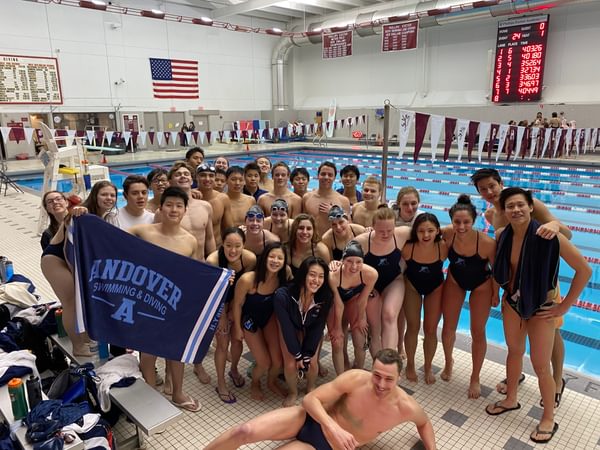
x: 137, y: 295
x: 537, y: 270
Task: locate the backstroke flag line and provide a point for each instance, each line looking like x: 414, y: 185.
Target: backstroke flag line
x: 137, y: 295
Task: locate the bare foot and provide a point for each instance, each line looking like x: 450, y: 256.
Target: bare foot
x: 82, y: 350
x: 256, y: 392
x: 411, y: 374
x: 290, y: 400
x: 277, y: 389
x: 447, y: 372
x: 203, y: 377
x: 474, y: 389
x: 429, y: 377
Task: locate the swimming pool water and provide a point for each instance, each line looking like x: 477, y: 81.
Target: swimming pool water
x: 571, y: 193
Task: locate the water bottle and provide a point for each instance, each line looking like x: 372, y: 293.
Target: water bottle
x: 9, y: 271
x: 60, y: 328
x: 16, y: 391
x: 3, y: 260
x: 34, y: 391
x: 103, y: 352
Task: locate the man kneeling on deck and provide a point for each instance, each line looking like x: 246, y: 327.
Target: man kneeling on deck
x: 350, y: 411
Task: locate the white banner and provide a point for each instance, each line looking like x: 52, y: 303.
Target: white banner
x: 501, y: 139
x: 188, y: 137
x: 201, y: 136
x: 126, y: 135
x: 547, y: 137
x: 436, y: 123
x: 143, y: 135
x: 568, y: 140
x: 71, y: 135
x: 28, y: 134
x: 461, y: 133
x: 520, y: 133
x: 109, y: 136
x: 588, y: 135
x: 91, y: 137
x: 5, y: 132
x: 535, y: 131
x: 159, y: 135
x: 406, y: 120
x: 594, y: 139
x: 280, y: 132
x: 577, y: 140
x: 484, y: 129
x: 557, y: 141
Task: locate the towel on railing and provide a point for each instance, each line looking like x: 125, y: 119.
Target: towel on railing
x: 537, y: 270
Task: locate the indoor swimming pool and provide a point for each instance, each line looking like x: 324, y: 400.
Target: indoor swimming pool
x: 571, y: 193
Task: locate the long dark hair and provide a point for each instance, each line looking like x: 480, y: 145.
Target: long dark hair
x: 261, y: 266
x: 223, y: 262
x: 324, y: 293
x: 421, y: 218
x: 296, y: 224
x: 91, y: 203
x: 54, y: 224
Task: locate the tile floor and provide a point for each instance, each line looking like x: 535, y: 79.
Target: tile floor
x: 458, y: 422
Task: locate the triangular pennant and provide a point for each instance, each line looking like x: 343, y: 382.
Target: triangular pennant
x: 484, y: 129
x: 100, y: 138
x: 126, y: 137
x: 71, y: 135
x: 109, y: 136
x: 188, y: 137
x: 525, y: 142
x: 557, y: 141
x: 502, y: 134
x: 511, y: 137
x: 420, y: 129
x: 406, y: 120
x: 226, y: 135
x: 28, y: 134
x: 568, y: 140
x: 435, y: 133
x: 562, y: 141
x: 588, y: 135
x: 151, y: 135
x: 471, y: 138
x: 143, y: 135
x: 90, y: 136
x: 449, y: 126
x: 208, y: 134
x: 194, y: 137
x: 159, y: 138
x: 280, y: 129
x: 520, y: 134
x: 350, y: 121
x: 200, y: 137
x: 168, y: 135
x: 461, y: 134
x: 547, y: 138
x: 493, y: 136
x: 535, y: 131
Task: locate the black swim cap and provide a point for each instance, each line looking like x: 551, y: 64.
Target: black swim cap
x: 353, y: 248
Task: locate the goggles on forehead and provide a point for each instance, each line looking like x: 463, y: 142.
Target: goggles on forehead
x: 337, y: 216
x: 279, y: 208
x: 253, y: 215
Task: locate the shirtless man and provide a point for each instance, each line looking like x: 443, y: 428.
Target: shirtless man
x: 220, y: 180
x: 489, y: 185
x: 363, y: 212
x: 170, y: 235
x: 318, y: 203
x: 198, y: 221
x: 240, y: 202
x: 281, y: 177
x: 350, y: 411
x: 350, y: 176
x: 300, y: 178
x: 221, y: 206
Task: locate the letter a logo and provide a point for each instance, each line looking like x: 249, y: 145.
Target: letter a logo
x: 125, y: 311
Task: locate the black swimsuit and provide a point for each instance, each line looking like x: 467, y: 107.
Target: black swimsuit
x: 425, y: 277
x: 264, y: 245
x: 336, y: 252
x: 256, y: 311
x: 387, y: 266
x: 312, y: 433
x: 348, y: 293
x: 294, y: 268
x: 468, y: 271
x: 55, y: 250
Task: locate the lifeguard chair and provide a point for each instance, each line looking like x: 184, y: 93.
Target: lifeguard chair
x: 72, y: 158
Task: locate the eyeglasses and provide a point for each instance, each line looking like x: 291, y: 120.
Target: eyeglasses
x: 50, y: 201
x: 252, y: 215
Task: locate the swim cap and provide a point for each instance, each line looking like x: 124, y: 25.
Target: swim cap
x: 353, y: 248
x: 255, y: 210
x: 336, y: 212
x: 279, y: 204
x: 205, y: 168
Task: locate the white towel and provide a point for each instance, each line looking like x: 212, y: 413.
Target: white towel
x: 124, y: 366
x: 22, y: 358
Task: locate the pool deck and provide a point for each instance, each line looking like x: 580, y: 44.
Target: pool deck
x: 458, y: 422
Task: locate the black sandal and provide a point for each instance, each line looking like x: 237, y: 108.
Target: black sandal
x: 557, y: 396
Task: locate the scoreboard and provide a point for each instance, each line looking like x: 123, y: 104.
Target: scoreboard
x: 520, y: 56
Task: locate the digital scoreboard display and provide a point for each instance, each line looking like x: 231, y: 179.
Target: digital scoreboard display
x: 519, y: 63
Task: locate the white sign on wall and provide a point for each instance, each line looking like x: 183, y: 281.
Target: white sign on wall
x: 29, y: 80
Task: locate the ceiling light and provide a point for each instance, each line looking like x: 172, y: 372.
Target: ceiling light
x: 203, y: 21
x: 93, y: 4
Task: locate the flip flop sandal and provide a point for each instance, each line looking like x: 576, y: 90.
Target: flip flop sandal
x: 557, y: 396
x: 503, y: 391
x: 503, y: 409
x: 228, y: 398
x: 191, y: 405
x: 550, y: 434
x: 237, y: 380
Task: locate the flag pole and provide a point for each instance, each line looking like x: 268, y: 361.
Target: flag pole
x: 384, y: 159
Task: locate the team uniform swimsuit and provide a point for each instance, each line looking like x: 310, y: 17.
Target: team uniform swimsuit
x: 336, y: 252
x: 294, y: 268
x: 311, y: 433
x: 264, y: 244
x: 425, y: 277
x: 55, y: 250
x: 349, y: 293
x: 470, y: 272
x: 288, y: 229
x: 388, y: 266
x: 256, y: 311
x: 293, y: 320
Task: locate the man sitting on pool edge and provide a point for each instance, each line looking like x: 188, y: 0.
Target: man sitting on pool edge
x: 347, y: 412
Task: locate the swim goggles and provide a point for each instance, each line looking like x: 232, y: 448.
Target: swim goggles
x: 279, y: 208
x: 253, y: 215
x: 337, y: 216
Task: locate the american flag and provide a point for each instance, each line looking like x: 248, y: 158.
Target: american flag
x: 174, y: 78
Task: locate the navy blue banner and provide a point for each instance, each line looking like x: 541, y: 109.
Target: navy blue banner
x: 137, y: 295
